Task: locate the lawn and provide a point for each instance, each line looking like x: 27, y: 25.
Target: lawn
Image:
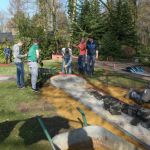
x: 117, y: 79
x: 19, y: 128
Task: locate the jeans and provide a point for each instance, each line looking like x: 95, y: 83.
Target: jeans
x: 7, y: 57
x: 68, y: 70
x: 20, y: 74
x: 90, y: 64
x: 33, y: 66
x: 81, y: 64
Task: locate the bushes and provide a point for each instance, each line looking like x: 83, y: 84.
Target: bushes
x: 2, y: 58
x: 110, y: 46
x: 127, y: 51
x: 144, y: 54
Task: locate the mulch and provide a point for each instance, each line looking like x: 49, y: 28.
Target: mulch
x: 5, y: 65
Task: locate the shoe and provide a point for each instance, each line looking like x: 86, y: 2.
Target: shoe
x: 36, y: 90
x: 22, y: 87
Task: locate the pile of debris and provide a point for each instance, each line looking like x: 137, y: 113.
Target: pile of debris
x: 117, y: 107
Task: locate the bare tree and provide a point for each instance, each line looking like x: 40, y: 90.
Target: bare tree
x: 2, y: 19
x: 143, y: 22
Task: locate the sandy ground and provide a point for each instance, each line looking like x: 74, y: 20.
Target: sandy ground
x: 114, y: 91
x: 66, y: 107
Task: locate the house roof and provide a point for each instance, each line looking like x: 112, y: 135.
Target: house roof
x: 6, y: 36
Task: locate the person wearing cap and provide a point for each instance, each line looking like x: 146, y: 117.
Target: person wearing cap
x: 19, y: 64
x: 33, y: 56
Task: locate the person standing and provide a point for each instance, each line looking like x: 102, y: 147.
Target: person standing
x: 7, y: 54
x: 91, y: 55
x: 82, y: 56
x: 19, y: 64
x: 33, y: 56
x: 67, y: 60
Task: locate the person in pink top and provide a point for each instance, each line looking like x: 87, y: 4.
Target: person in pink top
x: 82, y: 55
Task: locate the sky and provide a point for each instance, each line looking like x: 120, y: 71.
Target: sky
x: 4, y: 5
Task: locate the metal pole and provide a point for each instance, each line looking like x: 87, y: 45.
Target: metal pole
x: 46, y: 132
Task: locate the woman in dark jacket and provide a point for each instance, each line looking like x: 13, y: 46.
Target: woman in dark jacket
x: 91, y: 55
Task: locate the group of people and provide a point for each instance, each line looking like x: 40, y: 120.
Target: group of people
x: 32, y: 58
x: 86, y: 60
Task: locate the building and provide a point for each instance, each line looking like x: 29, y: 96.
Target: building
x: 6, y: 36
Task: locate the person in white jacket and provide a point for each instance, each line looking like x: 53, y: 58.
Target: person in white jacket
x: 67, y: 60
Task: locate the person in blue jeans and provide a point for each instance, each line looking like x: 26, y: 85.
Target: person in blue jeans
x: 67, y: 60
x: 91, y: 55
x: 7, y: 54
x: 19, y: 64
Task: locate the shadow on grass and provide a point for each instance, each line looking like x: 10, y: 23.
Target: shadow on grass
x: 6, y: 128
x: 31, y: 132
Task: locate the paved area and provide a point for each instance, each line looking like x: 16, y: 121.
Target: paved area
x: 5, y: 78
x: 118, y: 67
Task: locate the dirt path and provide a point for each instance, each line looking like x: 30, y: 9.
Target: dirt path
x: 5, y: 65
x: 6, y: 78
x: 66, y: 107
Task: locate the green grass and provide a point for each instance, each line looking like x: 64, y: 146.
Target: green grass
x: 9, y: 70
x: 11, y: 97
x: 113, y: 78
x: 19, y: 129
x: 116, y: 79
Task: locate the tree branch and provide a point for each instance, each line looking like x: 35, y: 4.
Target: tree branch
x: 104, y: 5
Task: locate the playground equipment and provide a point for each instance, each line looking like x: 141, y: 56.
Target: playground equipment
x: 86, y: 138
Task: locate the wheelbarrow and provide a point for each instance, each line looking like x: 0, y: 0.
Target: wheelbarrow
x: 87, y: 138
